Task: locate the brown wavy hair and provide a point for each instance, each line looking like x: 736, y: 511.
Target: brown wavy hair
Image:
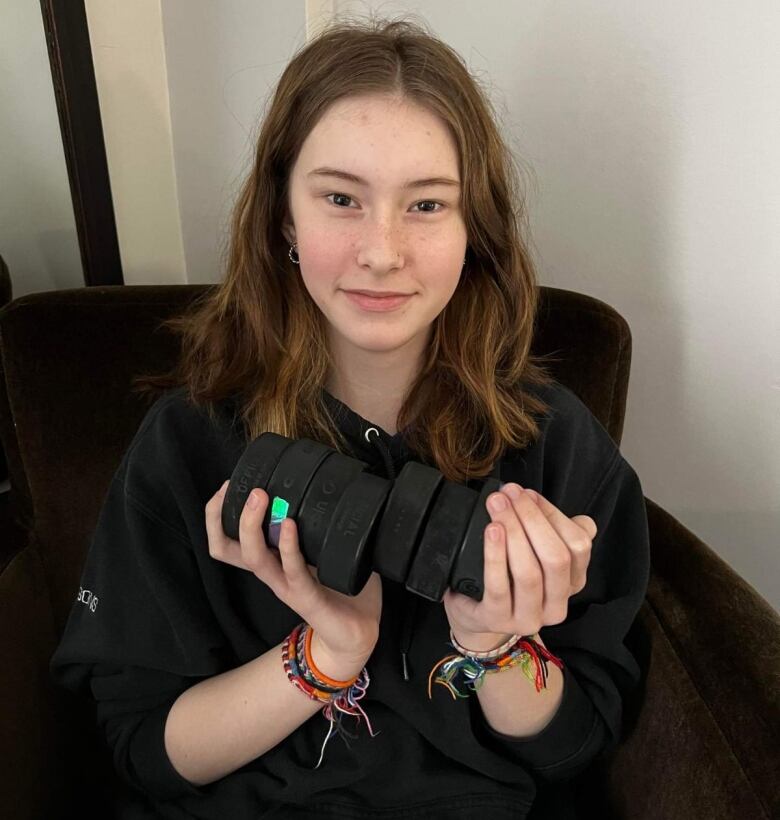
x: 258, y: 336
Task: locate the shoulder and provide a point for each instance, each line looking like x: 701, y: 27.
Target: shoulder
x: 568, y: 416
x: 179, y: 443
x: 176, y: 403
x: 574, y: 451
x: 174, y: 415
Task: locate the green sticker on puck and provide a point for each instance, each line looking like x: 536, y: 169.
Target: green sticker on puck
x: 279, y: 509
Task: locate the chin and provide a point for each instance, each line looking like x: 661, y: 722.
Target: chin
x: 375, y: 340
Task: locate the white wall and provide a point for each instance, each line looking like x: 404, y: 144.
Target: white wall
x: 651, y: 133
x: 37, y: 228
x: 128, y: 53
x: 223, y: 62
x: 181, y: 85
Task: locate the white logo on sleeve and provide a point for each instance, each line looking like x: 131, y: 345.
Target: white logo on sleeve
x: 88, y: 598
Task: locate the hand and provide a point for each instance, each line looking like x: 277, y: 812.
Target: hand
x: 346, y: 627
x: 539, y: 561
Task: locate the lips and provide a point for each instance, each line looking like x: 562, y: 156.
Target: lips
x: 376, y: 294
x: 375, y: 304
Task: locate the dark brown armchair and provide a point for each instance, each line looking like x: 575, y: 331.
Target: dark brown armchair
x: 701, y: 732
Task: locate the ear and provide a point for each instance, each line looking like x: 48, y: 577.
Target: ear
x: 288, y: 229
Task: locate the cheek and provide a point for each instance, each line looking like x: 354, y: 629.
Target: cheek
x: 326, y: 252
x: 445, y: 246
x: 443, y: 263
x: 320, y: 265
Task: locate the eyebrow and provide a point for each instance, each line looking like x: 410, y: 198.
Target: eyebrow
x: 416, y: 183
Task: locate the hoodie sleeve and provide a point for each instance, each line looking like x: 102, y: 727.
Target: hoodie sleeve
x: 598, y: 668
x: 140, y: 632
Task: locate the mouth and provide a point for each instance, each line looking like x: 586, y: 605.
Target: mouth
x: 377, y: 303
x: 379, y: 294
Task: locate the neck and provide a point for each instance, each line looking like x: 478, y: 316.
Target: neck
x: 373, y: 384
x: 379, y: 404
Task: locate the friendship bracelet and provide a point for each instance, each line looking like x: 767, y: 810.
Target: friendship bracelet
x: 307, y: 673
x: 295, y: 674
x: 301, y: 672
x: 490, y: 654
x: 473, y: 666
x: 319, y: 675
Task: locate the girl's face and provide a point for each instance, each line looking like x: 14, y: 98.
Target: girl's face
x: 391, y: 228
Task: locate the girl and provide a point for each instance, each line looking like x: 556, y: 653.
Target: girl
x: 379, y: 170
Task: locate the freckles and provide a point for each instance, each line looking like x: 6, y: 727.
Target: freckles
x: 316, y: 252
x: 328, y: 260
x: 327, y: 246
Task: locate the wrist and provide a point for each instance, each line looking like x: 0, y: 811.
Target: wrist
x: 335, y: 665
x: 480, y: 641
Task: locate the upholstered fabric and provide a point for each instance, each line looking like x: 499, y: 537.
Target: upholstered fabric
x: 700, y: 734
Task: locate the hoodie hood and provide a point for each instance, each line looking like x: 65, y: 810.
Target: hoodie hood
x: 385, y: 455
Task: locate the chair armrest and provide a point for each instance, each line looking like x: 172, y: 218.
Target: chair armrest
x: 30, y: 777
x: 702, y: 732
x: 52, y: 753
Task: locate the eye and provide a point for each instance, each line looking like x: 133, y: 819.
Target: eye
x: 421, y: 202
x: 342, y: 196
x: 429, y: 202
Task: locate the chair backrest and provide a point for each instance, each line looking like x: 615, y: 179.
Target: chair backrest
x: 69, y: 357
x: 67, y: 415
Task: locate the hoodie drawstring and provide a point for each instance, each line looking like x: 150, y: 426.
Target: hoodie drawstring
x: 410, y: 611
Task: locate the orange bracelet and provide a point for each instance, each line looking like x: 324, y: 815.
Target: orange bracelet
x: 319, y: 675
x: 292, y: 671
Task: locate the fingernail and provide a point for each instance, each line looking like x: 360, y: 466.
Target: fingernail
x: 252, y: 501
x: 497, y: 503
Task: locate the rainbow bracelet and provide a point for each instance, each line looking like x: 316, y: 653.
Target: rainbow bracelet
x: 473, y: 666
x: 304, y: 675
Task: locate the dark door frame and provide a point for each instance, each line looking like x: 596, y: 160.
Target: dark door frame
x: 75, y: 90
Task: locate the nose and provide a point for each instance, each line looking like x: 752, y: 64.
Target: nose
x: 381, y: 246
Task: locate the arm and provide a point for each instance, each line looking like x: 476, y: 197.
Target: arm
x: 509, y: 701
x: 599, y: 671
x: 180, y: 709
x: 222, y: 723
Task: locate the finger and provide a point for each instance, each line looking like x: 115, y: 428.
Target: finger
x: 497, y: 588
x: 254, y: 551
x: 294, y: 564
x: 221, y: 547
x: 581, y: 554
x: 578, y: 534
x: 550, y: 550
x: 525, y: 570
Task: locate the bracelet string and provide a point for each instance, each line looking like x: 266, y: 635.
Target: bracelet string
x: 472, y: 667
x: 337, y: 700
x: 341, y: 698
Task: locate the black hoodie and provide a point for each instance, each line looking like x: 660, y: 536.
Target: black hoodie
x: 156, y: 614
